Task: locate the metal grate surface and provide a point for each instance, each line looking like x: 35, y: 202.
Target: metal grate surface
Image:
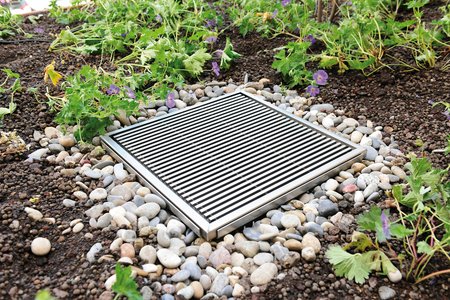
x: 224, y: 162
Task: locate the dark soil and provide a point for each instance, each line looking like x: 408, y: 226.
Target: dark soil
x: 398, y: 101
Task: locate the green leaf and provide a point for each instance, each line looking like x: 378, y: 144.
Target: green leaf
x: 44, y: 295
x: 400, y: 231
x: 424, y: 247
x: 194, y: 63
x: 352, y: 266
x: 125, y: 285
x: 228, y: 55
x: 328, y: 61
x: 360, y: 241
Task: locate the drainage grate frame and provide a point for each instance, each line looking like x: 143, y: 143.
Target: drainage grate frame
x: 239, y: 166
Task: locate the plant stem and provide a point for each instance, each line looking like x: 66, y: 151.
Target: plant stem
x: 437, y: 273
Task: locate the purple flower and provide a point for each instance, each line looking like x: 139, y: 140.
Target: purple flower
x: 39, y: 30
x: 211, y: 39
x: 285, y: 2
x: 275, y: 13
x: 158, y: 18
x: 218, y: 53
x: 130, y: 93
x: 216, y: 69
x: 313, y: 90
x: 320, y: 77
x: 447, y: 114
x: 210, y: 23
x: 170, y: 101
x: 123, y: 34
x: 309, y: 38
x: 385, y: 225
x: 113, y: 90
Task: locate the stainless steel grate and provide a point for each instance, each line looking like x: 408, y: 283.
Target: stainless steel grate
x: 223, y: 163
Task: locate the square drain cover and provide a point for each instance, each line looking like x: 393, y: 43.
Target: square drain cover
x: 221, y: 164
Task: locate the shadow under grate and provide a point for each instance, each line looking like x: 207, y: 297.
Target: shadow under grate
x: 227, y: 161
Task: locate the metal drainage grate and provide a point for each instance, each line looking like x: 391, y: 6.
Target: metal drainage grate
x: 227, y: 161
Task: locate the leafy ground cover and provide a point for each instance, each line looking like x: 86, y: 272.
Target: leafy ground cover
x: 129, y: 65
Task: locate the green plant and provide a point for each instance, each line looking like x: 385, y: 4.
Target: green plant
x: 125, y: 285
x: 291, y: 63
x: 423, y: 227
x: 44, y: 295
x: 12, y: 90
x: 91, y: 97
x: 429, y: 216
x: 9, y: 23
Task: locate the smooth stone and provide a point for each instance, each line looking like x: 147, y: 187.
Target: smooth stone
x: 219, y: 284
x: 237, y: 259
x: 264, y: 274
x: 293, y: 245
x: 163, y: 238
x: 327, y: 122
x: 69, y: 202
x: 371, y: 153
x: 289, y: 221
x: 205, y: 250
x: 262, y: 258
x: 308, y: 254
x: 327, y: 208
x: 149, y: 198
x: 194, y: 270
x: 198, y: 289
x: 331, y: 185
x: 386, y: 293
x: 148, y: 254
x: 309, y: 240
x: 350, y: 188
x: 279, y: 251
x: 149, y: 210
x: 180, y: 276
x: 221, y: 256
x: 397, y: 171
x: 34, y: 214
x: 322, y: 107
x: 248, y: 248
x: 40, y: 246
x: 168, y: 259
x: 370, y: 189
x: 123, y: 191
x: 78, y: 227
x: 314, y: 228
x: 205, y: 281
x: 119, y: 172
x: 96, y: 248
x: 98, y: 194
x: 104, y: 220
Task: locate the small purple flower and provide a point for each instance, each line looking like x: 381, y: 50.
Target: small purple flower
x: 216, y: 69
x: 113, y: 90
x: 211, y: 39
x: 447, y: 114
x: 313, y: 90
x: 170, y: 101
x: 130, y: 93
x: 39, y: 30
x: 385, y: 225
x: 123, y: 34
x: 158, y: 18
x: 210, y: 23
x: 218, y: 53
x: 320, y: 77
x: 275, y: 13
x: 309, y: 38
x: 285, y: 2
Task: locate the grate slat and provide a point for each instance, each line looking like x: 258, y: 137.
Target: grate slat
x: 223, y: 162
